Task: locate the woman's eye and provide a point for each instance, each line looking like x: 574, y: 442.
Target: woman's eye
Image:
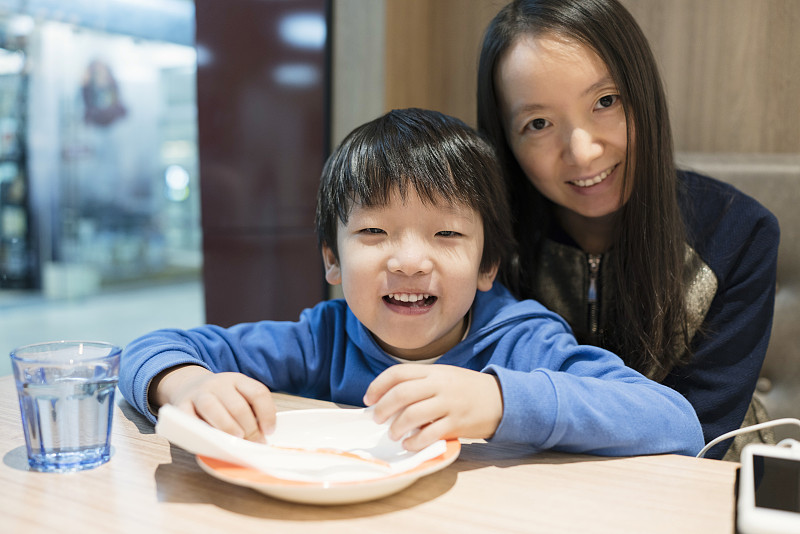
x: 538, y: 124
x: 606, y: 101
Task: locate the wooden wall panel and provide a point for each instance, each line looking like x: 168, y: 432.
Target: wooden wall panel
x: 359, y: 64
x: 731, y: 67
x: 432, y: 50
x: 732, y: 71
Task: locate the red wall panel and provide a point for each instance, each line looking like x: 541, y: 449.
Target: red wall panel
x: 262, y: 95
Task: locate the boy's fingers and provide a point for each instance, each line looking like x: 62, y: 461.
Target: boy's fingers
x: 417, y: 416
x: 263, y: 407
x: 251, y: 408
x: 391, y: 377
x: 187, y: 406
x: 242, y: 413
x: 427, y: 434
x: 402, y: 401
x: 213, y: 411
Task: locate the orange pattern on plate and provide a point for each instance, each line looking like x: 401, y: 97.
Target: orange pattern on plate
x: 248, y: 474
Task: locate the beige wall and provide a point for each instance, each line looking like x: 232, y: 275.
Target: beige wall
x: 731, y: 67
x: 359, y: 66
x: 434, y: 63
x: 422, y: 53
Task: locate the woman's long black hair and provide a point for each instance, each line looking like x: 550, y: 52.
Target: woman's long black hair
x: 650, y: 334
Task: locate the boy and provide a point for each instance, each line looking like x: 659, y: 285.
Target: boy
x: 413, y: 222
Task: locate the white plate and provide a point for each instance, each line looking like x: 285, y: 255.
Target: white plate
x: 326, y: 492
x: 333, y: 429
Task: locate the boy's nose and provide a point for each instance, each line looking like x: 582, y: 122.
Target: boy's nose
x: 410, y: 261
x: 582, y: 147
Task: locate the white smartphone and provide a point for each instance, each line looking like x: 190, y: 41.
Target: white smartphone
x: 769, y: 490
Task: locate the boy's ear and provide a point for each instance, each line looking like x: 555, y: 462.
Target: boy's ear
x: 486, y: 278
x: 333, y: 273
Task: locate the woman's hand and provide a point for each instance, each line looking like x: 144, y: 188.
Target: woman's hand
x: 442, y: 401
x: 231, y: 402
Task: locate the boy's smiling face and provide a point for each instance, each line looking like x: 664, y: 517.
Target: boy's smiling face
x: 409, y: 272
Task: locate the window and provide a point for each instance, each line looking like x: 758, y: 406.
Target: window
x: 98, y: 149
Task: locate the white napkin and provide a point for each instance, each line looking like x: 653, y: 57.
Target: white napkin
x: 324, y: 445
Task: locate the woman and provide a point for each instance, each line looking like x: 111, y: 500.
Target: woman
x: 673, y: 271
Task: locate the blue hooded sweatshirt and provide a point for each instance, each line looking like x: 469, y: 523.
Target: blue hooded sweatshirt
x: 556, y: 393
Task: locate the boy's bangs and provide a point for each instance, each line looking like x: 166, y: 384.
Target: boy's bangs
x: 375, y: 173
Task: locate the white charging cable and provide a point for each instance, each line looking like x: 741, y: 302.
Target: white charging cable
x: 777, y: 422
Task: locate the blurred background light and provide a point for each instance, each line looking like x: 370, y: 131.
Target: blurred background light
x: 296, y: 75
x: 177, y: 180
x: 303, y: 30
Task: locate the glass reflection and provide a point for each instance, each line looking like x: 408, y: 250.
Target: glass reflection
x: 97, y: 109
x: 303, y: 30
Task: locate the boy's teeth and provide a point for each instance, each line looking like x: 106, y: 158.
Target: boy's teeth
x: 408, y: 297
x: 592, y: 181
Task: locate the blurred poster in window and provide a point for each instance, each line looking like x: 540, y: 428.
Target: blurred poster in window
x: 111, y: 143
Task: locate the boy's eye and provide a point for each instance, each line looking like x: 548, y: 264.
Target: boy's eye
x: 372, y: 231
x: 606, y: 101
x: 538, y: 124
x: 448, y: 233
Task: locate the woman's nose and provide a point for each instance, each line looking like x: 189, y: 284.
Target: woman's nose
x: 583, y: 147
x: 410, y: 259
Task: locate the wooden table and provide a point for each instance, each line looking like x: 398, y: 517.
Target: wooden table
x: 151, y: 487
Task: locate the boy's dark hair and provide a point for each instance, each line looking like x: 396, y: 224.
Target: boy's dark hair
x: 427, y: 152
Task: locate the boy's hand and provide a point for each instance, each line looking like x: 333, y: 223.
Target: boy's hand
x: 231, y: 402
x: 442, y: 401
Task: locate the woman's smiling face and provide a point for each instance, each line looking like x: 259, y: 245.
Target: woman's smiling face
x: 565, y: 124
